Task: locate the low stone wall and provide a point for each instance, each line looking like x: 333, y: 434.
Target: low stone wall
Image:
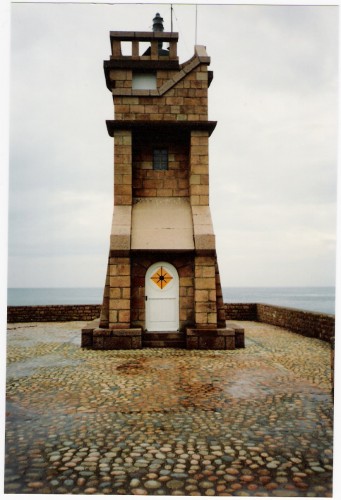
x: 29, y: 314
x: 309, y: 324
x: 241, y: 312
x: 332, y: 362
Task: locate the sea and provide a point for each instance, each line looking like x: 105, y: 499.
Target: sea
x: 316, y: 299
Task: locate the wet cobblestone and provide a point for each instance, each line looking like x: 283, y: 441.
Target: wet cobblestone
x: 255, y: 421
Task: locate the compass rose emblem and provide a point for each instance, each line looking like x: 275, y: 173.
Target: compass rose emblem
x: 161, y: 277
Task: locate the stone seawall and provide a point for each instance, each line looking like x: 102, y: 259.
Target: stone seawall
x: 28, y: 314
x: 241, y: 312
x: 309, y: 324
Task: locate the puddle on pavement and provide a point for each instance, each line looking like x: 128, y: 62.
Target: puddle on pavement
x: 27, y: 367
x: 21, y: 339
x: 132, y: 367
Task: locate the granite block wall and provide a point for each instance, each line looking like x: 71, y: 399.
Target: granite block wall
x: 309, y: 324
x: 241, y: 312
x: 32, y: 314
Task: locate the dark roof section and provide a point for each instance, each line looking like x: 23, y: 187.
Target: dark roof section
x: 166, y: 126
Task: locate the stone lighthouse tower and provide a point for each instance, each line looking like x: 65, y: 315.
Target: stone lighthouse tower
x: 162, y: 285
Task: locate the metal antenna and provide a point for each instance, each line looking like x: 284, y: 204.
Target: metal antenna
x: 171, y: 18
x: 196, y: 23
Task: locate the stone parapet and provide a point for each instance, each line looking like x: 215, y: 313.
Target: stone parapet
x: 241, y: 312
x: 332, y: 362
x: 310, y: 324
x: 52, y: 313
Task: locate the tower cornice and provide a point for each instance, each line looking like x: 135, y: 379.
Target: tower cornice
x: 188, y: 125
x: 144, y: 36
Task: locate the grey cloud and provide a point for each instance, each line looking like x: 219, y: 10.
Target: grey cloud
x: 262, y: 46
x: 61, y: 223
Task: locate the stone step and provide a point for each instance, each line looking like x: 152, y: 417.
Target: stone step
x: 163, y: 335
x: 164, y: 343
x: 164, y: 339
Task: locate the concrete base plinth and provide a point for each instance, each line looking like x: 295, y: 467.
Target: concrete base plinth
x: 239, y: 335
x: 94, y: 337
x: 228, y: 338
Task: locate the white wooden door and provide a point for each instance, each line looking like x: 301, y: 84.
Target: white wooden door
x: 162, y: 298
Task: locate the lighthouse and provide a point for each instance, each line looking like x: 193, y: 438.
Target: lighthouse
x: 162, y: 286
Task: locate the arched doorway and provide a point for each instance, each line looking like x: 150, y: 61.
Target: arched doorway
x: 162, y: 298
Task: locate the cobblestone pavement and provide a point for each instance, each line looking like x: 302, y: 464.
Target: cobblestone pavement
x: 250, y: 422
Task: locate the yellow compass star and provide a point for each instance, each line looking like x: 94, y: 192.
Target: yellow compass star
x: 161, y: 277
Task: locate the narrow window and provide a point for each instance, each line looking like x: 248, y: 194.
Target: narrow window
x: 160, y: 159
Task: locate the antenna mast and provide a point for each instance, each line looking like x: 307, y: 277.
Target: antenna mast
x: 196, y: 23
x: 171, y: 18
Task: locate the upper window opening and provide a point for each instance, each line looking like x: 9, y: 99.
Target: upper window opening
x: 143, y: 47
x: 144, y: 81
x: 126, y: 48
x: 160, y: 159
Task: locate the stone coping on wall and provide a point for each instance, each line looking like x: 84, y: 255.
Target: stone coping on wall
x: 307, y: 323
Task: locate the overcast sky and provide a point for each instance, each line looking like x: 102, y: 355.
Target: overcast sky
x: 273, y: 155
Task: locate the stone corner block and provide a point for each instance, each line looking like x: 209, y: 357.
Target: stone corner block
x: 204, y: 241
x: 117, y: 339
x: 89, y: 327
x: 210, y: 338
x: 120, y: 242
x: 239, y: 334
x: 86, y: 339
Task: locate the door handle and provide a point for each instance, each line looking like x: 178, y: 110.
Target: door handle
x: 146, y: 297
